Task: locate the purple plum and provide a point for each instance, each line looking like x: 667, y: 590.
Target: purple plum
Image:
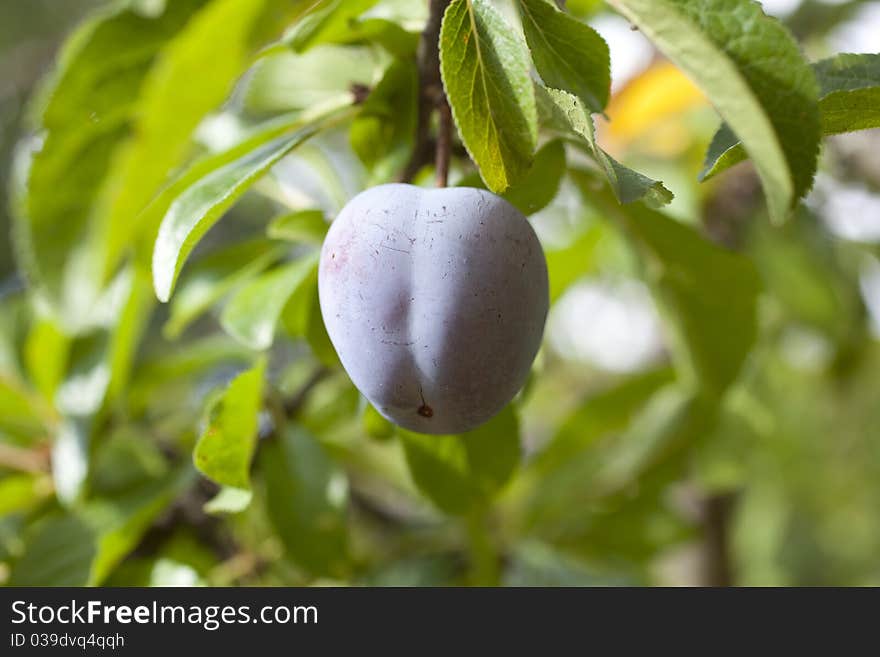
x: 435, y: 300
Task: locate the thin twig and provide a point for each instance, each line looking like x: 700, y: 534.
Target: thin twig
x: 430, y: 89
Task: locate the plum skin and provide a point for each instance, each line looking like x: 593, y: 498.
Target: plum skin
x: 435, y: 300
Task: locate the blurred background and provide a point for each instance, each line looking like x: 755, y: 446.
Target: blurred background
x: 784, y: 491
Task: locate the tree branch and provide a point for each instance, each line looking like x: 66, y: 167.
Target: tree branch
x: 431, y: 96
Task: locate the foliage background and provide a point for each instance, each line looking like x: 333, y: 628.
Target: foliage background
x: 704, y: 411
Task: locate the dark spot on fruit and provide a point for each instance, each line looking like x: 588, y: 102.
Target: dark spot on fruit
x: 424, y: 410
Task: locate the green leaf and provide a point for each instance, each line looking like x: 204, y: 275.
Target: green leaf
x: 802, y: 274
x: 382, y: 134
x: 58, y: 551
x: 70, y: 461
x: 82, y: 548
x: 752, y: 71
x: 316, y: 332
x: 541, y: 183
x: 306, y: 497
x: 302, y: 226
x: 302, y: 318
x: 539, y: 186
x: 154, y: 213
x: 229, y: 500
x: 286, y: 82
x: 725, y: 151
x: 848, y: 72
x: 485, y: 70
x: 131, y: 324
x: 251, y: 314
x: 199, y: 207
x: 97, y: 363
x: 215, y: 276
x: 583, y: 8
x: 847, y: 111
x: 328, y: 21
x: 464, y: 472
x: 89, y: 106
x: 394, y: 38
x: 568, y: 54
x: 295, y: 316
x: 171, y: 372
x: 672, y: 421
x: 849, y: 100
x: 22, y: 414
x: 540, y: 564
x: 375, y: 425
x: 46, y: 351
x: 565, y: 113
x: 394, y: 26
x: 567, y: 265
x: 15, y: 318
x: 177, y: 95
x: 226, y: 446
x: 82, y: 392
x: 601, y: 414
x: 21, y: 492
x: 125, y: 459
x: 709, y: 295
x: 120, y: 522
x: 421, y: 570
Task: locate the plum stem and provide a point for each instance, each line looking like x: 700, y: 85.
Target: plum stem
x: 444, y: 141
x: 431, y: 97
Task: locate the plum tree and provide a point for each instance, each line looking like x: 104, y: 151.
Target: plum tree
x: 435, y: 300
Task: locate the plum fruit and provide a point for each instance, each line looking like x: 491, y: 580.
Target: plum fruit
x: 435, y: 300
